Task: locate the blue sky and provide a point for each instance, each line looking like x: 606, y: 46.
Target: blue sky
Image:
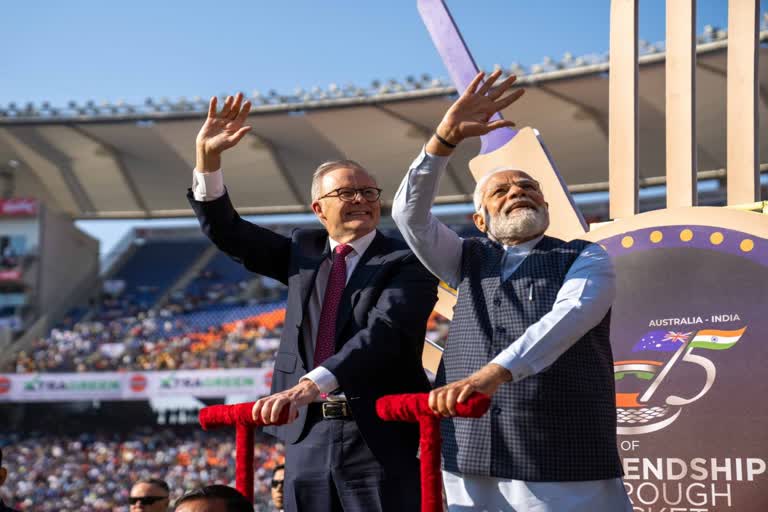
x: 107, y: 50
x: 85, y: 49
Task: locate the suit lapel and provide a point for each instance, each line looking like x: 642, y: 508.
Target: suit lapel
x: 310, y: 264
x: 368, y: 265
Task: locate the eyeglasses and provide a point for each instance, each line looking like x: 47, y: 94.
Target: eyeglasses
x: 370, y: 194
x: 277, y: 483
x: 145, y: 500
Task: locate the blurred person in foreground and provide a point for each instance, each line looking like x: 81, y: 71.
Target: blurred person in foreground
x: 213, y: 498
x: 356, y: 314
x: 278, y: 485
x: 151, y: 495
x: 530, y: 329
x: 3, y: 476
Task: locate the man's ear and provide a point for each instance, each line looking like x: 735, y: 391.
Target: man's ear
x: 479, y: 219
x: 318, y: 211
x: 3, y: 475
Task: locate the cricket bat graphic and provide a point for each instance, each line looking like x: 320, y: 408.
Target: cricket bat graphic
x: 502, y: 148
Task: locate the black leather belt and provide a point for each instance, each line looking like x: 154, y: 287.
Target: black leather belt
x: 331, y: 410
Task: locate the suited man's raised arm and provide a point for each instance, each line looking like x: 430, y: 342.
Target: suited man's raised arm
x: 396, y: 328
x: 261, y: 250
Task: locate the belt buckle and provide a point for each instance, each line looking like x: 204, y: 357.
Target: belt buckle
x: 335, y: 409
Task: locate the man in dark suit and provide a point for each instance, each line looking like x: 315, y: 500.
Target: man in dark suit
x: 354, y: 329
x: 3, y: 476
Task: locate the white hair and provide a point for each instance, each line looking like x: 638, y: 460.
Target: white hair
x: 477, y: 196
x: 327, y: 167
x: 522, y: 224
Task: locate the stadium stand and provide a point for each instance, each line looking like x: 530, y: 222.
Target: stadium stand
x: 94, y: 470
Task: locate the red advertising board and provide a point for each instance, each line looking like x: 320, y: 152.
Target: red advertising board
x: 18, y: 207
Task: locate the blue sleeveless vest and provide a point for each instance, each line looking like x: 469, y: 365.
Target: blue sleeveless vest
x: 557, y: 425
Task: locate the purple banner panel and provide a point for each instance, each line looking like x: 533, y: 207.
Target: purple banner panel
x: 459, y: 61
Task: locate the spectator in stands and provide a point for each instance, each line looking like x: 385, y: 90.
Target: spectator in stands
x: 94, y: 471
x: 278, y: 484
x: 3, y: 476
x: 358, y: 303
x: 151, y: 495
x: 213, y: 498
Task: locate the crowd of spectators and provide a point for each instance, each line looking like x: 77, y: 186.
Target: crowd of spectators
x: 153, y: 341
x: 95, y: 471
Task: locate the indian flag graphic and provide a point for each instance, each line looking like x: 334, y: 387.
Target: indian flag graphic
x: 713, y: 339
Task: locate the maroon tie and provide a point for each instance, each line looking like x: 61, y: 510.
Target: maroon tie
x: 325, y: 345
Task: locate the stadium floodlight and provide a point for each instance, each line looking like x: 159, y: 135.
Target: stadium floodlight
x: 257, y: 97
x: 334, y: 90
x: 149, y: 102
x: 516, y: 69
x: 72, y: 104
x: 45, y: 105
x: 375, y: 84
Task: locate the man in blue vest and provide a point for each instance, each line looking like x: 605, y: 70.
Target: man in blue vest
x: 530, y: 328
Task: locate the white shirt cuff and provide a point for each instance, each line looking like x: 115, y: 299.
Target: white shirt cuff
x: 518, y: 368
x: 207, y: 186
x: 323, y: 379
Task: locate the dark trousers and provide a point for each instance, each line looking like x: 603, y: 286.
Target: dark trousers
x: 331, y: 469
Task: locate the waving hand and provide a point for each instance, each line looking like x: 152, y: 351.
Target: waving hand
x: 470, y: 115
x: 221, y: 131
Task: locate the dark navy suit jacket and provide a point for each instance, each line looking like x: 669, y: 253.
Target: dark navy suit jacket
x: 380, y: 325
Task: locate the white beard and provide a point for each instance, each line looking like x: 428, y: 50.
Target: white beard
x: 519, y: 224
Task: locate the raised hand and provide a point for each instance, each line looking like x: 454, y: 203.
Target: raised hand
x: 470, y: 115
x: 221, y: 131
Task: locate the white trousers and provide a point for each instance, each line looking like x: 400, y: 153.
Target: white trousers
x: 486, y: 494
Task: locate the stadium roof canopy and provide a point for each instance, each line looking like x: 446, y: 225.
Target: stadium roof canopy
x: 121, y: 161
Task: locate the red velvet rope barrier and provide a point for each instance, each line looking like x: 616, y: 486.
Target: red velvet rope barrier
x: 414, y: 407
x: 239, y: 416
x: 408, y: 407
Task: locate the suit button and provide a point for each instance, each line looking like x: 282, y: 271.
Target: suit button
x: 496, y: 411
x: 497, y: 302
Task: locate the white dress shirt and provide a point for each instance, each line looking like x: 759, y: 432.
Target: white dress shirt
x: 583, y: 300
x: 208, y: 186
